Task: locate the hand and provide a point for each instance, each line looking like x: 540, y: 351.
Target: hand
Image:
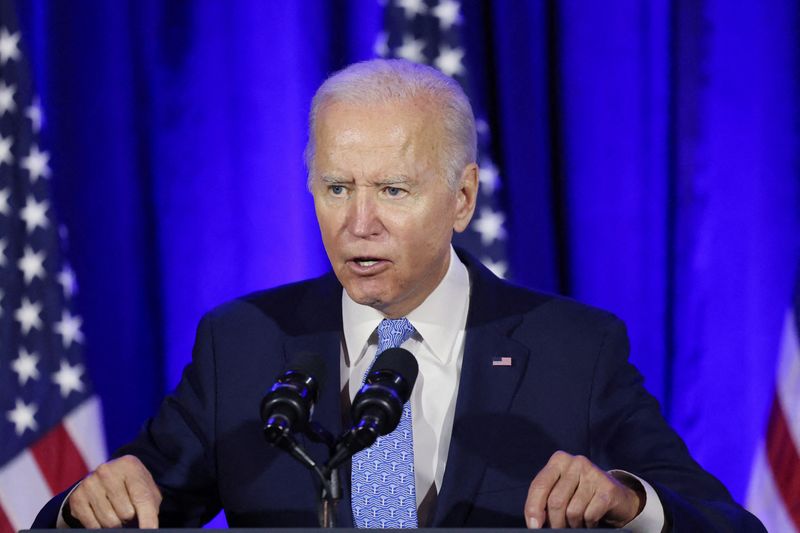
x: 115, y: 494
x: 570, y: 491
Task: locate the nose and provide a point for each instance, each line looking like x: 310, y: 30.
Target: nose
x: 363, y: 217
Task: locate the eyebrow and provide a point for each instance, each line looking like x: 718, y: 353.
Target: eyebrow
x: 394, y: 180
x: 334, y: 179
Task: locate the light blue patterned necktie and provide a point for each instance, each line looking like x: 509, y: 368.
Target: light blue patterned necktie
x: 383, y: 490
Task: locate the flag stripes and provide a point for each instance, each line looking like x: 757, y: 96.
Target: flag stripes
x: 55, y: 462
x: 71, y: 466
x: 784, y: 461
x: 774, y: 491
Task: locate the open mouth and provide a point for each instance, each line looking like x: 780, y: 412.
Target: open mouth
x: 367, y: 265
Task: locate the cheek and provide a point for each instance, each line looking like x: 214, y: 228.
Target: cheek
x: 326, y: 219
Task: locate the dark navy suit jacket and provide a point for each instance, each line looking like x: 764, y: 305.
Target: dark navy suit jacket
x: 569, y: 387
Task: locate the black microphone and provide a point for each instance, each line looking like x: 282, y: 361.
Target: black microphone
x: 378, y: 406
x: 287, y: 406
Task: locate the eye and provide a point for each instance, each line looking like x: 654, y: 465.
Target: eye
x: 394, y: 192
x: 337, y: 190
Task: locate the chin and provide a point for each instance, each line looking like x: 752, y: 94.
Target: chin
x: 363, y: 297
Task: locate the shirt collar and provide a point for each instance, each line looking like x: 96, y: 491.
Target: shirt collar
x: 435, y: 319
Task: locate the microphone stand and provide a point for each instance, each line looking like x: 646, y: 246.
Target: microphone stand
x: 331, y: 491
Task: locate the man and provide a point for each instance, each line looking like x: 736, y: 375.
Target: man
x: 525, y: 402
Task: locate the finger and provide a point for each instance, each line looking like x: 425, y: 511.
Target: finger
x: 145, y: 501
x: 560, y: 497
x: 98, y: 502
x: 576, y: 509
x: 80, y: 509
x: 597, y: 508
x: 538, y: 492
x: 116, y: 492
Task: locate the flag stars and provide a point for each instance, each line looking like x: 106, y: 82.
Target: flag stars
x: 36, y: 163
x: 34, y: 114
x: 449, y: 61
x: 487, y: 175
x: 498, y: 268
x: 5, y: 207
x: 448, y: 13
x: 9, y: 46
x: 7, y: 103
x: 412, y: 8
x: 35, y: 214
x: 23, y: 417
x: 5, y: 150
x: 69, y: 327
x: 66, y: 278
x: 31, y: 264
x: 381, y: 47
x: 25, y: 366
x: 28, y: 315
x: 68, y: 378
x: 411, y: 49
x: 490, y: 226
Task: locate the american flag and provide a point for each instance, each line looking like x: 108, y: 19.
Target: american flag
x: 50, y: 426
x: 774, y: 492
x: 431, y: 32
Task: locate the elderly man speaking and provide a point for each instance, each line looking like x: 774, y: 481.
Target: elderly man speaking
x: 525, y: 412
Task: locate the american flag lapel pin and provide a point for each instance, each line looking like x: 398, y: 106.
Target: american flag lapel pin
x: 501, y: 361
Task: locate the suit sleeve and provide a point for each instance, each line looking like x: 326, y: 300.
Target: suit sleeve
x: 177, y: 444
x: 629, y: 432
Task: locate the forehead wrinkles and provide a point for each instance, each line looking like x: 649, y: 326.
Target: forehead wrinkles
x: 405, y: 128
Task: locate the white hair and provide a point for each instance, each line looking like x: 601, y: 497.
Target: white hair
x: 381, y: 81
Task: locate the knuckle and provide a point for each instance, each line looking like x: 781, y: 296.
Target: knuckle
x: 604, y: 497
x: 555, y: 502
x: 78, y: 498
x: 574, y: 513
x: 81, y: 512
x: 593, y: 516
x: 559, y: 456
x: 110, y: 520
x: 104, y: 471
x: 127, y: 513
x: 90, y: 485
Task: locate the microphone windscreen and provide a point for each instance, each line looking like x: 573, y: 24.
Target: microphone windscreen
x: 399, y: 361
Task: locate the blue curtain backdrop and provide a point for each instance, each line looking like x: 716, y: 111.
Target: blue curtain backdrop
x: 649, y: 152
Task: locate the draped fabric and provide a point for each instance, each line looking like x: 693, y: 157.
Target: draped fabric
x: 649, y: 152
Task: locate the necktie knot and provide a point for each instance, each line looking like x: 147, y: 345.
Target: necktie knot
x: 392, y: 332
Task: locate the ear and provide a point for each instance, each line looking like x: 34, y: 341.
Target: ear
x: 466, y: 197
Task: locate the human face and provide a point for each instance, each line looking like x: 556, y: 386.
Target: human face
x: 384, y: 207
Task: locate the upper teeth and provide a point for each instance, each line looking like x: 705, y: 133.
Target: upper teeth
x: 367, y: 263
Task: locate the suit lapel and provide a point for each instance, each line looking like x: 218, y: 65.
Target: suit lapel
x: 485, y: 390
